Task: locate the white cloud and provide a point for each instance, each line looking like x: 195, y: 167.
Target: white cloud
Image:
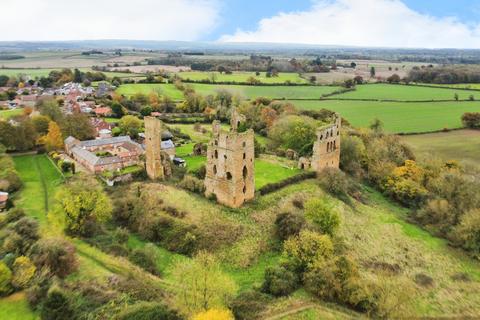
x: 382, y: 23
x: 107, y: 19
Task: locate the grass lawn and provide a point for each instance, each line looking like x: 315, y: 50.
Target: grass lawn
x: 15, y: 307
x: 251, y: 92
x: 398, y: 117
x: 461, y: 145
x: 7, y: 114
x: 240, y: 76
x: 41, y: 180
x: 404, y: 93
x: 147, y: 88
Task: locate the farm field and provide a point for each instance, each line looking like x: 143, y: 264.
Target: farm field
x: 240, y: 76
x: 398, y: 117
x: 37, y: 73
x: 403, y: 93
x: 251, y: 92
x: 460, y: 145
x: 147, y: 88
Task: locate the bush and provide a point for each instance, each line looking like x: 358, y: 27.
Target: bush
x: 248, y: 305
x: 467, y: 233
x: 145, y: 258
x: 23, y: 272
x: 471, y: 120
x: 335, y: 182
x: 148, y: 311
x: 56, y: 254
x: 5, y: 279
x: 57, y: 305
x: 192, y: 184
x: 289, y: 224
x: 214, y: 314
x: 279, y: 281
x: 323, y: 214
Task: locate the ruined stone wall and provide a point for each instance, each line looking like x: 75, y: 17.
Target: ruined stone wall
x: 326, y: 150
x: 230, y: 166
x: 153, y: 152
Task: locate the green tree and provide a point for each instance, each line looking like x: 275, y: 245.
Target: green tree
x: 130, y: 125
x: 117, y: 110
x: 323, y: 214
x: 294, y: 132
x: 289, y: 224
x: 78, y: 125
x: 372, y: 72
x: 306, y: 248
x: 84, y: 204
x: 202, y: 284
x: 50, y: 108
x: 41, y: 123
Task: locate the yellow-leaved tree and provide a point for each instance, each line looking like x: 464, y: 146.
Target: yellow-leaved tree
x: 54, y: 138
x: 202, y: 285
x: 214, y: 314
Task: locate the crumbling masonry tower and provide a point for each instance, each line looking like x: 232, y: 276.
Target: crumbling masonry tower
x: 153, y: 152
x: 230, y: 164
x: 326, y: 150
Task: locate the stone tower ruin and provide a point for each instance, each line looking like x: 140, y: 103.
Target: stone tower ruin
x: 326, y: 150
x: 153, y: 152
x: 230, y: 164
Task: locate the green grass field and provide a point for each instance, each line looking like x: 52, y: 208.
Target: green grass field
x: 41, y: 180
x: 15, y: 307
x: 461, y: 145
x: 398, y: 117
x: 251, y: 92
x: 240, y: 76
x: 147, y: 88
x: 7, y: 114
x: 37, y: 73
x: 403, y: 93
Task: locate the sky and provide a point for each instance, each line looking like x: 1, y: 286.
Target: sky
x: 380, y: 23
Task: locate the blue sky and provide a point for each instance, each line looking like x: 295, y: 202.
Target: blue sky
x: 372, y: 23
x: 245, y: 14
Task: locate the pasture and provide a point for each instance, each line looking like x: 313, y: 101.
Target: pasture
x: 250, y: 92
x: 37, y: 73
x: 383, y: 91
x: 398, y: 117
x: 460, y: 145
x: 240, y: 76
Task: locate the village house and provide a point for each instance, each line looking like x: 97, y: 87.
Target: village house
x: 3, y: 200
x: 103, y: 111
x: 103, y: 129
x: 104, y: 154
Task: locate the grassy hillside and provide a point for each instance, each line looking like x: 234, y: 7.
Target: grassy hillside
x: 7, y: 114
x: 461, y: 145
x: 147, y: 88
x: 398, y: 116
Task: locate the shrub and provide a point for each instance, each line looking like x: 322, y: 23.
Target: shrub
x: 121, y: 235
x: 145, y: 258
x: 14, y: 214
x: 192, y: 184
x: 289, y: 224
x: 148, y: 311
x: 272, y: 187
x: 248, y: 305
x: 23, y: 272
x: 57, y: 305
x: 56, y: 254
x: 335, y: 182
x: 306, y: 248
x: 436, y: 214
x: 323, y: 214
x: 5, y: 279
x: 467, y: 233
x: 471, y: 120
x: 279, y: 281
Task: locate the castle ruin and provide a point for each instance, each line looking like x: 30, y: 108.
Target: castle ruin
x: 153, y: 152
x: 230, y: 164
x: 326, y: 149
